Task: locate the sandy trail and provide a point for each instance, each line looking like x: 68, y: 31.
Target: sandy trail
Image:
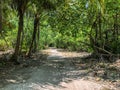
x: 56, y: 74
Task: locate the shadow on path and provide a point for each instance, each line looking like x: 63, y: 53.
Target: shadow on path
x: 54, y: 73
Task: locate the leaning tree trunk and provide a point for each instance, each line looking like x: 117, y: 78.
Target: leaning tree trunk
x: 38, y: 36
x: 18, y: 42
x: 36, y: 23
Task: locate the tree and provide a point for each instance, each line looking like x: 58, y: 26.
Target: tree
x: 0, y: 16
x: 40, y: 7
x: 21, y: 7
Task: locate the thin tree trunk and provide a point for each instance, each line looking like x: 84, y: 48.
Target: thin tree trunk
x: 38, y: 35
x: 99, y: 22
x: 0, y: 16
x: 36, y: 41
x: 35, y: 44
x: 21, y: 42
x: 36, y: 23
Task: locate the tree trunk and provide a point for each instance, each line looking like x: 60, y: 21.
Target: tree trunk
x: 36, y: 41
x: 21, y: 42
x: 0, y: 16
x: 36, y: 23
x: 38, y: 36
x: 18, y: 42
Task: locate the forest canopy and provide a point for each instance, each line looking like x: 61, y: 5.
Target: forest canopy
x: 80, y: 25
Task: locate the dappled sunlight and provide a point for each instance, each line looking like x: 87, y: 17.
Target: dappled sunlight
x: 59, y: 45
x: 11, y: 81
x: 61, y: 71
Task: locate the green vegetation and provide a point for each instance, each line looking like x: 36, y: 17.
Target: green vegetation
x: 88, y: 25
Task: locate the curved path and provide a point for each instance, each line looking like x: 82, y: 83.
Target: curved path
x: 58, y: 73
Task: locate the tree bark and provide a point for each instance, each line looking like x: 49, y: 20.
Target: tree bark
x: 33, y: 42
x: 38, y: 36
x: 18, y: 42
x: 0, y: 16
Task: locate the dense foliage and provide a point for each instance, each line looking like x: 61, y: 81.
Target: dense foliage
x: 89, y: 25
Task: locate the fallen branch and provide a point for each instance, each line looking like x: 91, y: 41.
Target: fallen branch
x: 103, y: 50
x: 97, y: 48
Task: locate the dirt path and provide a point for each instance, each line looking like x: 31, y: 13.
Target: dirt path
x: 57, y: 73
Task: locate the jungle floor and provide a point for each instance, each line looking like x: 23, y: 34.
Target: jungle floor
x: 57, y: 69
